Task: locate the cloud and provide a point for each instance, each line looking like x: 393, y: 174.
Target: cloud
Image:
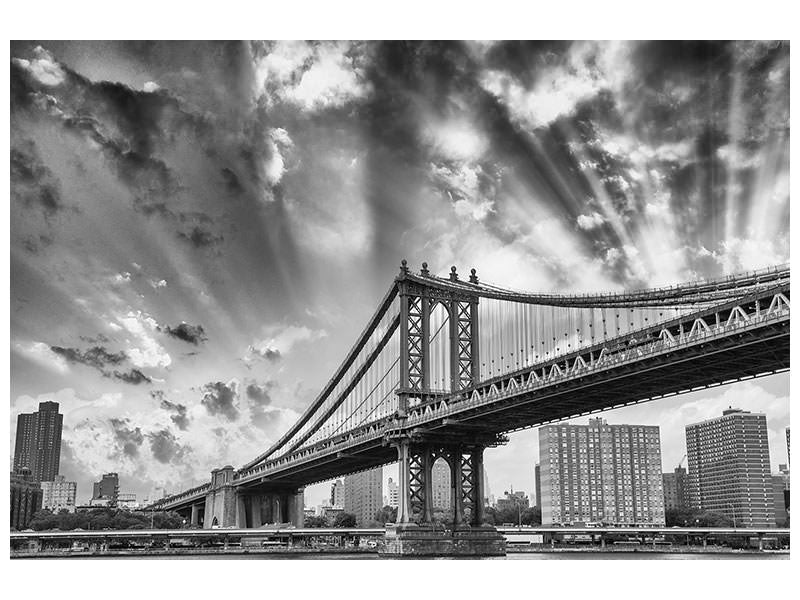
x: 41, y: 354
x: 220, y: 399
x: 32, y: 183
x: 590, y: 221
x: 280, y: 340
x: 192, y: 334
x: 572, y: 78
x: 134, y: 376
x: 314, y: 76
x: 278, y: 141
x: 97, y: 357
x: 200, y: 237
x: 147, y: 352
x: 467, y: 187
x: 180, y: 417
x: 127, y: 439
x: 165, y: 446
x: 456, y: 140
x: 259, y: 393
x: 44, y: 67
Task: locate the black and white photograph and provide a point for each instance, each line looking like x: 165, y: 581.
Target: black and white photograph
x: 399, y: 299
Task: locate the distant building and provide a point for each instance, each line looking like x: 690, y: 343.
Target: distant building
x: 127, y: 501
x: 779, y: 500
x: 363, y: 495
x: 537, y: 483
x: 729, y: 470
x: 675, y: 490
x: 393, y: 496
x: 331, y: 512
x: 487, y: 493
x: 517, y: 501
x: 59, y: 494
x: 26, y: 498
x: 601, y: 473
x: 38, y: 442
x: 337, y: 493
x: 106, y: 491
x: 440, y: 479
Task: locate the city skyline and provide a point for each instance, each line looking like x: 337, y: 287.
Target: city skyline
x: 192, y: 222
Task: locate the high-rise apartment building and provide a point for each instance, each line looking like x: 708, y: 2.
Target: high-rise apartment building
x: 106, y: 491
x: 38, y: 442
x: 537, y: 485
x: 601, y: 473
x: 393, y: 495
x: 440, y: 480
x: 59, y: 494
x: 675, y: 492
x: 337, y: 493
x: 363, y: 495
x: 729, y: 470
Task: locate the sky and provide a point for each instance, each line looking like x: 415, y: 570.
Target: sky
x: 199, y: 231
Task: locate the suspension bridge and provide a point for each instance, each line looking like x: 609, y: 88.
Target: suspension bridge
x: 447, y: 367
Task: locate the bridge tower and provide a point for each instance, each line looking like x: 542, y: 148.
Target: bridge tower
x: 417, y: 451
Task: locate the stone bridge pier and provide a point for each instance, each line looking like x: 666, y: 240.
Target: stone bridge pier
x: 228, y: 505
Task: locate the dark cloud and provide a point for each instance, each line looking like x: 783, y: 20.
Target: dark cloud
x: 193, y: 334
x: 259, y: 393
x: 267, y: 353
x: 200, y: 237
x: 32, y: 182
x: 34, y: 244
x: 218, y: 398
x: 180, y: 417
x: 134, y: 376
x: 96, y: 356
x: 128, y: 439
x: 231, y: 181
x: 260, y: 415
x: 165, y: 446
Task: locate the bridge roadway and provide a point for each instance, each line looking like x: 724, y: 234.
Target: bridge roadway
x: 733, y: 341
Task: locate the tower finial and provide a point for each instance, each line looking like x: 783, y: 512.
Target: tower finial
x: 424, y: 270
x: 453, y: 274
x: 404, y: 266
x: 473, y: 277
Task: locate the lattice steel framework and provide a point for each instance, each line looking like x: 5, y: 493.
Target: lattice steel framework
x: 416, y: 342
x: 465, y: 342
x: 418, y: 478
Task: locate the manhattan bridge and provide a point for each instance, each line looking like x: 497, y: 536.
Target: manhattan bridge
x: 447, y: 367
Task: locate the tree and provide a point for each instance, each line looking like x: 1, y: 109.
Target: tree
x: 104, y: 518
x: 532, y: 516
x: 344, y: 519
x: 689, y: 517
x: 315, y: 522
x: 386, y: 515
